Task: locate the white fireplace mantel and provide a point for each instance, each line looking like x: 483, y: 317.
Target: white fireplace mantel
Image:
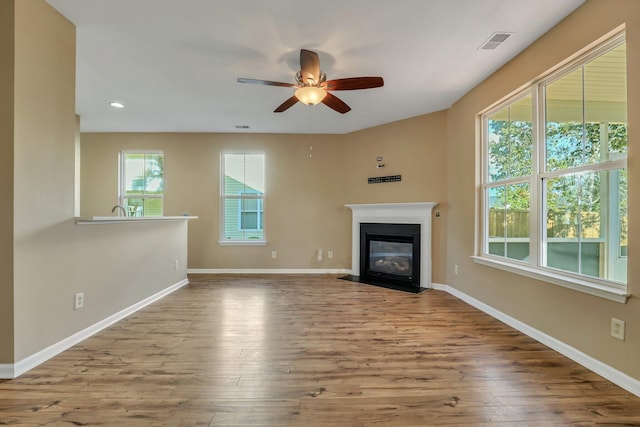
x: 394, y: 213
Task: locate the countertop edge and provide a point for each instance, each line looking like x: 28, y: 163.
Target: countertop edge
x: 84, y: 220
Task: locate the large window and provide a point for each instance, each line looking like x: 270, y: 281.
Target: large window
x: 242, y: 198
x: 554, y: 177
x: 142, y: 182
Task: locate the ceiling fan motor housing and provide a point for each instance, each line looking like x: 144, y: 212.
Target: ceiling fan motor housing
x: 322, y: 78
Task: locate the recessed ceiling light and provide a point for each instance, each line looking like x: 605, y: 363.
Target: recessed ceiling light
x: 116, y: 104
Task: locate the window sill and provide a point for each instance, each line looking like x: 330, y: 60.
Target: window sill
x: 242, y: 242
x: 581, y: 285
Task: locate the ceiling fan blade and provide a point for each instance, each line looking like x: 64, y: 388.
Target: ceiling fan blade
x: 286, y: 105
x: 354, y: 83
x: 309, y: 67
x: 266, y: 82
x: 336, y: 103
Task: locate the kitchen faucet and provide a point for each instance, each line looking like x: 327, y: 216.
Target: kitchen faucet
x: 124, y: 213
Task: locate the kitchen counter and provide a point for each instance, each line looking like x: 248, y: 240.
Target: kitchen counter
x: 88, y: 220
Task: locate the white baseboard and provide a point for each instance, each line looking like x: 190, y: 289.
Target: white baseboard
x: 9, y: 371
x: 268, y: 271
x: 619, y: 378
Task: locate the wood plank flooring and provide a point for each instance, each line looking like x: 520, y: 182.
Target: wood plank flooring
x: 271, y: 350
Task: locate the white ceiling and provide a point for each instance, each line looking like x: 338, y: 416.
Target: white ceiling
x: 174, y: 63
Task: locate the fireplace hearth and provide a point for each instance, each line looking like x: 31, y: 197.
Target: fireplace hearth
x: 391, y: 245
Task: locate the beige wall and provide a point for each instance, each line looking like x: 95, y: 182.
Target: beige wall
x: 303, y: 204
x: 115, y: 266
x: 305, y: 195
x: 579, y: 320
x: 6, y: 180
x: 415, y: 149
x: 43, y: 185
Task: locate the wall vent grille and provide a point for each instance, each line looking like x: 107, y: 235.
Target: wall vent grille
x: 495, y: 40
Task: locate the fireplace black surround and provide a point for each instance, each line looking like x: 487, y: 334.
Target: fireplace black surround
x: 390, y: 256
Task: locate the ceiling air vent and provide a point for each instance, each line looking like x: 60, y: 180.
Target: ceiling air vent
x: 495, y: 40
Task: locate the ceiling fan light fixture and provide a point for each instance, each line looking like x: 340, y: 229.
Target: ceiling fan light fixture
x: 310, y: 95
x: 313, y: 88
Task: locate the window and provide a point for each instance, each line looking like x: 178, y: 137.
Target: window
x: 554, y: 176
x: 242, y: 198
x: 510, y: 148
x: 142, y: 182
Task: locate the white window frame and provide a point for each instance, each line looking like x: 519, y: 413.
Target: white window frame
x: 259, y: 220
x: 535, y: 267
x: 223, y: 197
x: 122, y: 192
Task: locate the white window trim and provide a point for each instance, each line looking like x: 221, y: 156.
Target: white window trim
x: 255, y: 242
x: 223, y: 197
x: 607, y: 289
x: 592, y: 286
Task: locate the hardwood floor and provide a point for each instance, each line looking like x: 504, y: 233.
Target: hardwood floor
x: 311, y: 351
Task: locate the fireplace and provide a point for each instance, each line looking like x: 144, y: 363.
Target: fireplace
x: 399, y: 240
x: 390, y: 253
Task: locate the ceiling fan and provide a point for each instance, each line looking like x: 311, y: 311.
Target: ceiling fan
x: 312, y: 86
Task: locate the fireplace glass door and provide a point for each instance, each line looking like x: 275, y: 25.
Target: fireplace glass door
x: 394, y: 258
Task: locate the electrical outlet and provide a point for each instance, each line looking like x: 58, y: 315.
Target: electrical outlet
x: 78, y: 301
x: 617, y: 328
x: 319, y: 254
x: 177, y: 265
x: 456, y: 270
x: 329, y: 254
x: 274, y: 254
